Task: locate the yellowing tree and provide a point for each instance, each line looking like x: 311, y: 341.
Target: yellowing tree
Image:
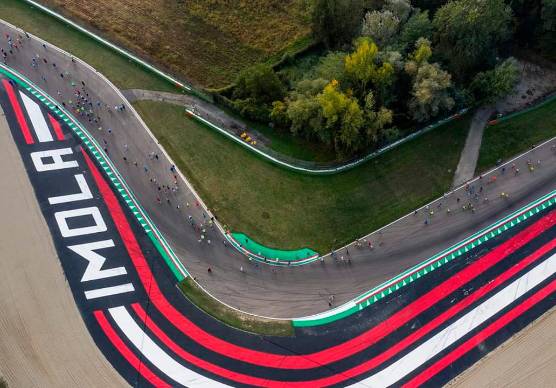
x: 343, y: 117
x: 364, y: 68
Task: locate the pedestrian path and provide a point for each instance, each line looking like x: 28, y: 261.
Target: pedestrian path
x: 465, y: 170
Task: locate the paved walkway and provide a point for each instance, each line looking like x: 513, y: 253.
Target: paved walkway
x: 206, y: 110
x: 286, y: 292
x: 465, y: 170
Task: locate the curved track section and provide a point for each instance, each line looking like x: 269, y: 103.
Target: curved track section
x: 424, y: 334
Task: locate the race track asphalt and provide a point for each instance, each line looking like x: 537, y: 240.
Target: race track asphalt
x: 152, y: 335
x: 127, y: 296
x: 287, y: 292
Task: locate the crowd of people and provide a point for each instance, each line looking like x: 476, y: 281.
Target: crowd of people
x: 75, y: 96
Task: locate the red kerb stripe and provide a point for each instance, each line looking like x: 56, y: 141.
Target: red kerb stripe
x: 325, y: 356
x: 126, y: 352
x: 18, y: 112
x: 57, y: 127
x: 482, y: 336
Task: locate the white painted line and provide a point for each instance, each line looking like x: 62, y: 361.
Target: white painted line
x: 84, y: 193
x: 157, y: 356
x: 457, y: 330
x: 37, y: 118
x: 107, y: 291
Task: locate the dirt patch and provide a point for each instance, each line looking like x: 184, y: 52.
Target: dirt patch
x: 537, y: 81
x: 205, y: 41
x: 526, y: 360
x: 43, y: 340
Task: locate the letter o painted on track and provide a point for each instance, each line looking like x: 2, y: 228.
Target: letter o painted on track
x: 66, y: 231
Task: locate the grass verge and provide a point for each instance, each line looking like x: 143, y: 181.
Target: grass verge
x: 516, y: 135
x: 121, y: 71
x: 233, y: 317
x: 287, y: 210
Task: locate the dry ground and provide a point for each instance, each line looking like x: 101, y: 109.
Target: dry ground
x: 205, y: 41
x: 526, y: 360
x: 43, y: 340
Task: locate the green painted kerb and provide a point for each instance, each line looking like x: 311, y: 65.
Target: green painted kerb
x: 270, y: 253
x: 106, y: 165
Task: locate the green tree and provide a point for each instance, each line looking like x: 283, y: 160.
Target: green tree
x: 489, y: 86
x: 260, y: 83
x: 430, y: 93
x: 302, y: 111
x: 400, y: 8
x: 336, y: 22
x: 380, y: 26
x: 548, y: 16
x: 418, y: 26
x: 364, y: 68
x: 468, y: 32
x: 377, y: 119
x: 343, y: 117
x: 331, y: 66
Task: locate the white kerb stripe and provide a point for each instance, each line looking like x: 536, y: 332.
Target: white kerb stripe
x: 462, y: 326
x: 37, y: 119
x: 108, y: 291
x: 157, y: 356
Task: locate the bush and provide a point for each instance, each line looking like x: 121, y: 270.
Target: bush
x: 390, y: 135
x: 252, y: 109
x: 259, y: 83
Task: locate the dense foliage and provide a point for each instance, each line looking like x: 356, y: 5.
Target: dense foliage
x: 389, y: 64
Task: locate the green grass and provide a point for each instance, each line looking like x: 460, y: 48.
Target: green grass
x: 286, y: 144
x: 288, y: 210
x: 233, y: 317
x: 122, y: 72
x: 516, y: 135
x: 3, y: 383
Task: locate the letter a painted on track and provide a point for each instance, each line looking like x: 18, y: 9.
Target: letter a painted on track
x: 56, y: 156
x: 94, y: 269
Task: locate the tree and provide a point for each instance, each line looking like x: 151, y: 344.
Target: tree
x: 305, y: 115
x: 400, y: 8
x: 489, y: 86
x: 548, y: 16
x: 336, y: 22
x: 377, y: 120
x: 343, y: 117
x: 431, y: 85
x: 260, y: 83
x: 331, y: 67
x: 418, y: 26
x: 430, y: 93
x: 429, y: 5
x: 380, y: 26
x: 363, y: 67
x: 468, y: 31
x: 301, y: 111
